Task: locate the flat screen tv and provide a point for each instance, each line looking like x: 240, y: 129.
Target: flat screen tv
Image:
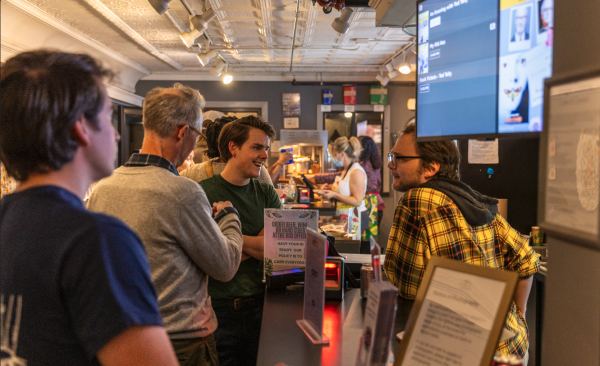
x: 481, y: 66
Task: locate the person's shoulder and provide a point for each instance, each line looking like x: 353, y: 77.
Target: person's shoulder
x: 215, y: 180
x: 422, y: 201
x: 196, y: 172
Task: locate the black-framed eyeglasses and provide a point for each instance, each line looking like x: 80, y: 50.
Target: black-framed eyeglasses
x: 393, y: 158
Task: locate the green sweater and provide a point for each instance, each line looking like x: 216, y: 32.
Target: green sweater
x: 250, y: 201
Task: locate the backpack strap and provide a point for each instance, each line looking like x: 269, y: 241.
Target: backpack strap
x: 209, y: 169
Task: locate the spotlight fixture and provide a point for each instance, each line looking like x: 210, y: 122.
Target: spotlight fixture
x: 188, y: 38
x: 392, y: 73
x: 216, y: 70
x: 348, y: 114
x: 404, y: 66
x: 205, y: 58
x: 383, y: 80
x: 200, y: 22
x: 159, y: 5
x: 340, y: 24
x: 227, y: 78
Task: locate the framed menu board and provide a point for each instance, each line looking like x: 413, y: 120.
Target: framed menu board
x: 458, y: 315
x: 570, y: 160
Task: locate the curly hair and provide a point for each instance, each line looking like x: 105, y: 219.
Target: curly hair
x: 370, y: 152
x: 212, y: 135
x: 43, y: 94
x: 444, y: 153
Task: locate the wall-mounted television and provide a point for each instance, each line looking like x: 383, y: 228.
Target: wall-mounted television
x: 481, y: 66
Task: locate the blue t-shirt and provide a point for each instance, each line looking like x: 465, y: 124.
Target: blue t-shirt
x: 73, y: 279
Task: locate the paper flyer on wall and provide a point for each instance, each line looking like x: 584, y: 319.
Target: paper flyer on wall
x: 285, y: 238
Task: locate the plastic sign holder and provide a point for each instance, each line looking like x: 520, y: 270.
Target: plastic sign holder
x: 314, y: 288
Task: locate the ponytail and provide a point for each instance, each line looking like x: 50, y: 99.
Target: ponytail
x: 351, y: 147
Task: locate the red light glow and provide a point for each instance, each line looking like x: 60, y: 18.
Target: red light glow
x: 330, y: 265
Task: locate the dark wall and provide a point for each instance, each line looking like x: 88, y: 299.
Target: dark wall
x: 571, y: 332
x: 515, y: 178
x: 254, y: 91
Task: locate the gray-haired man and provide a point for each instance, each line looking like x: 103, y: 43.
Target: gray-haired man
x: 173, y: 217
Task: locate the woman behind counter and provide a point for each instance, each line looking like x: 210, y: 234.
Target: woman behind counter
x: 350, y: 186
x: 370, y: 160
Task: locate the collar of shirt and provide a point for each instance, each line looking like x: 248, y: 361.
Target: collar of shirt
x: 147, y: 159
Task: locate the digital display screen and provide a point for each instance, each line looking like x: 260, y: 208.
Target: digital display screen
x: 481, y: 66
x: 526, y: 33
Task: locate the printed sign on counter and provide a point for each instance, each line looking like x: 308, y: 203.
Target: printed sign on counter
x: 314, y: 287
x: 285, y: 238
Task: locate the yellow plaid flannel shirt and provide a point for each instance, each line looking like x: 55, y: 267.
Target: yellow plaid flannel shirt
x: 427, y: 222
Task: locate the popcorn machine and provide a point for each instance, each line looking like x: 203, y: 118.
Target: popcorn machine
x: 309, y: 148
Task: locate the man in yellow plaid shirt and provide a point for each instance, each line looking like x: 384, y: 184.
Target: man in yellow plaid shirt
x: 441, y: 216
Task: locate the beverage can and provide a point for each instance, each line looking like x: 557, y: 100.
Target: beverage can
x: 366, y: 276
x: 290, y: 150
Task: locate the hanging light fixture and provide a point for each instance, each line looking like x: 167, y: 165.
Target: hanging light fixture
x: 383, y: 80
x: 340, y: 24
x: 205, y: 58
x: 227, y: 77
x: 404, y: 66
x: 216, y: 70
x: 159, y: 5
x: 188, y: 38
x: 200, y: 22
x: 392, y: 73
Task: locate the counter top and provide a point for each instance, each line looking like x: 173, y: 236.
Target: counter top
x: 281, y: 340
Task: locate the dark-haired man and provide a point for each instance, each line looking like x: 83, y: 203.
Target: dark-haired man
x: 243, y: 145
x: 441, y: 216
x: 173, y: 217
x: 76, y: 287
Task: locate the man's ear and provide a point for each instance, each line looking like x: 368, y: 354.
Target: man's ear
x: 232, y: 148
x: 81, y: 132
x: 181, y: 131
x: 432, y: 170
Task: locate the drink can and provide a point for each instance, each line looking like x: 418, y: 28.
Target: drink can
x: 366, y: 276
x: 290, y: 150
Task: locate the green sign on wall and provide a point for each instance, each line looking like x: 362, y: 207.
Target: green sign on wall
x: 378, y: 94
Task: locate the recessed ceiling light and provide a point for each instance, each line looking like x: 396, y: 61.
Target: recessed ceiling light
x: 348, y: 114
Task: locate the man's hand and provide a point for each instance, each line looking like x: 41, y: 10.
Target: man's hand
x: 218, y: 206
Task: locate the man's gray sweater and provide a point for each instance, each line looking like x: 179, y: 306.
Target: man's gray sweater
x: 184, y: 244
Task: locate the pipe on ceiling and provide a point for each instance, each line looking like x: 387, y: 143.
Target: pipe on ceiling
x: 294, y: 39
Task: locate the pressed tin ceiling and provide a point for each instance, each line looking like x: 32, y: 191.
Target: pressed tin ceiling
x: 254, y: 37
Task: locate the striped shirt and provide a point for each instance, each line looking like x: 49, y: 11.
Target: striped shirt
x: 428, y: 223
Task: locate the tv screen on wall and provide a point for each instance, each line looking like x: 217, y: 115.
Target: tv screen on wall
x: 481, y: 66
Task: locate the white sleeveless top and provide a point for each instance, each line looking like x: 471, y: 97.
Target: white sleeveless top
x: 343, y: 185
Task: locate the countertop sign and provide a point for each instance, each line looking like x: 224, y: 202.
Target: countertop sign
x: 285, y: 238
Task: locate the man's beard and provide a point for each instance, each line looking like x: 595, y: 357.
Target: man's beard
x: 410, y: 182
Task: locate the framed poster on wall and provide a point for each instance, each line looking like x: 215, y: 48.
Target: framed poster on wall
x: 570, y: 160
x: 291, y: 104
x: 291, y: 122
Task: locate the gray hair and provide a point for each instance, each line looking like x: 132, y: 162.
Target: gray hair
x: 167, y: 108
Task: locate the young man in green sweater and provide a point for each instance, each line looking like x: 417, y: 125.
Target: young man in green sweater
x: 238, y: 304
